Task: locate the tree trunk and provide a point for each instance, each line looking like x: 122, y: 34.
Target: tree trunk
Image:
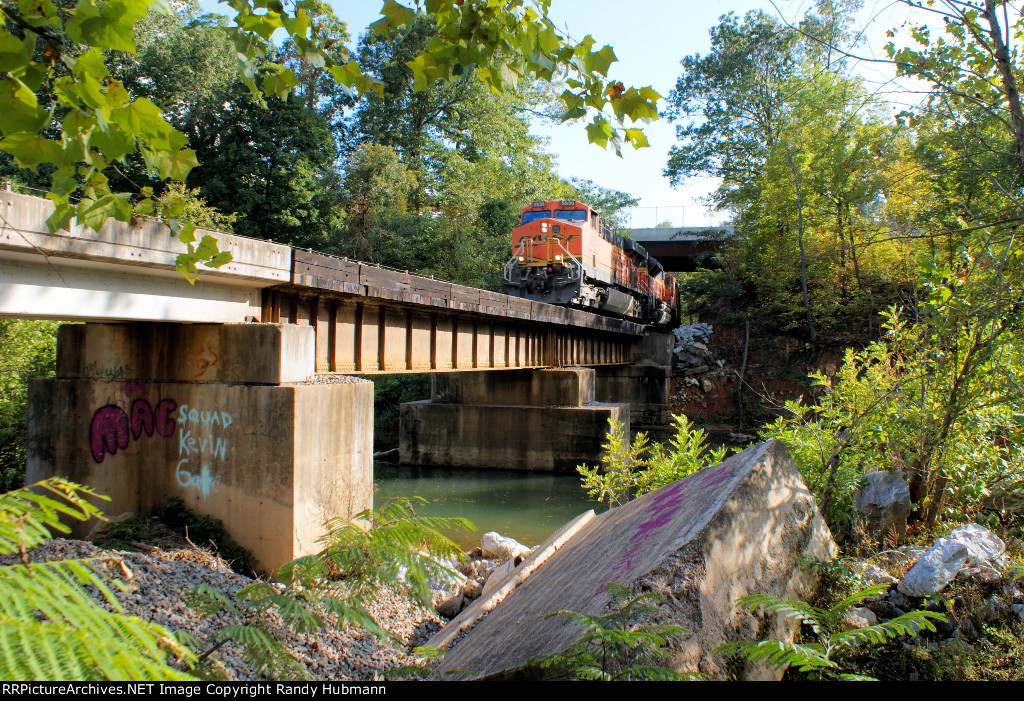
x: 800, y: 241
x: 1002, y: 59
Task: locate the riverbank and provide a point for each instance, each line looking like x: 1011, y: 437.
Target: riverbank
x: 156, y: 583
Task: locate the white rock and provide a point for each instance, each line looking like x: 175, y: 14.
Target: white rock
x: 935, y: 569
x: 876, y: 575
x: 499, y: 575
x: 984, y: 547
x: 969, y: 546
x: 496, y: 545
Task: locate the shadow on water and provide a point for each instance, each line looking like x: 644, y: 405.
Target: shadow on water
x: 527, y: 506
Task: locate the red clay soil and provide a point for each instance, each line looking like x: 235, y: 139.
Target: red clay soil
x: 777, y: 371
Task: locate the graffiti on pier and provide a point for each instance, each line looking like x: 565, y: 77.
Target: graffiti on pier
x: 111, y: 428
x: 206, y: 359
x: 201, y: 436
x: 103, y: 372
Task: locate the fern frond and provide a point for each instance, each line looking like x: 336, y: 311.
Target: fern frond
x: 29, y: 515
x: 778, y: 653
x: 910, y: 623
x: 51, y: 625
x: 206, y: 600
x: 797, y: 610
x: 648, y: 673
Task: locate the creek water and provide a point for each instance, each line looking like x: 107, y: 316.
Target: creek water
x: 527, y: 506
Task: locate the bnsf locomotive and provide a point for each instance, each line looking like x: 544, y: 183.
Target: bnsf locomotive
x: 563, y: 253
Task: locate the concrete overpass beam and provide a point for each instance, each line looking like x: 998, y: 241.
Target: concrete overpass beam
x: 225, y: 417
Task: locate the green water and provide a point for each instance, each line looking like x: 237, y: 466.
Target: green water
x: 524, y: 505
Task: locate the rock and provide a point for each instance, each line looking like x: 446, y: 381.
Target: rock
x: 985, y: 574
x: 993, y: 610
x: 884, y: 502
x: 501, y: 547
x: 499, y: 574
x: 707, y: 385
x: 935, y: 569
x: 983, y: 546
x: 969, y: 546
x: 450, y: 607
x: 876, y: 575
x: 1018, y: 610
x: 739, y: 528
x: 860, y: 618
x: 887, y: 610
x: 696, y: 371
x: 473, y: 589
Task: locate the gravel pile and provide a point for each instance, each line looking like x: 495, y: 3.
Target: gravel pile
x: 334, y: 380
x: 157, y: 581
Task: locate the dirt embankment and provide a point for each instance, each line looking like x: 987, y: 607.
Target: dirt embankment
x: 777, y: 370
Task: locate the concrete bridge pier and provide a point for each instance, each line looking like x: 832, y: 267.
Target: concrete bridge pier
x: 227, y: 417
x: 512, y: 419
x: 643, y: 385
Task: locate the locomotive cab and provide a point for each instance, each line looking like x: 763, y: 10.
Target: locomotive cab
x: 563, y: 253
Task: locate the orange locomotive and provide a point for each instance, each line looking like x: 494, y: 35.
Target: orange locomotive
x: 563, y: 253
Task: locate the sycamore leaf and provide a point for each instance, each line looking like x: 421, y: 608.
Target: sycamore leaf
x: 106, y: 25
x: 93, y: 213
x: 187, y: 233
x: 30, y: 151
x: 14, y: 53
x: 175, y: 166
x: 19, y: 109
x: 279, y: 82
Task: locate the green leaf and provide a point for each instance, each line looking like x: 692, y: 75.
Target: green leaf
x: 19, y: 109
x: 14, y: 53
x: 106, y: 25
x: 39, y: 13
x: 187, y: 233
x: 93, y: 213
x: 279, y: 82
x: 30, y: 151
x: 397, y: 15
x: 175, y: 166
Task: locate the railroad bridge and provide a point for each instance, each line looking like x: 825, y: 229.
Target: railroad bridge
x: 248, y: 392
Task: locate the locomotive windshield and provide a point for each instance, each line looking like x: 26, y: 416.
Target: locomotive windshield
x: 537, y: 214
x: 571, y: 214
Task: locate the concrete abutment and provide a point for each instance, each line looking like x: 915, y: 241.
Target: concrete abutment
x: 226, y: 417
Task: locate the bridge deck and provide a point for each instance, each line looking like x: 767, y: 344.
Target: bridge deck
x: 367, y: 319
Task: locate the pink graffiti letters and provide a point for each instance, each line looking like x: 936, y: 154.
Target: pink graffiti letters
x: 663, y: 508
x: 108, y: 430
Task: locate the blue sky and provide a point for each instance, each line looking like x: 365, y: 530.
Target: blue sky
x: 650, y: 37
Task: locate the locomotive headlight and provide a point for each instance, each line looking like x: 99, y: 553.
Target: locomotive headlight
x: 522, y: 258
x: 558, y: 257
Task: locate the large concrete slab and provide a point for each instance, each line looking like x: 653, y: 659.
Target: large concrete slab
x: 703, y: 542
x: 273, y: 462
x: 507, y: 437
x: 230, y: 353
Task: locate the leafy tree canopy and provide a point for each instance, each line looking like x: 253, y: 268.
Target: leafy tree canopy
x: 87, y: 119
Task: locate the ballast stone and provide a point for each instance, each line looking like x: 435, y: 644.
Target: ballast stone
x: 742, y: 527
x: 969, y: 546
